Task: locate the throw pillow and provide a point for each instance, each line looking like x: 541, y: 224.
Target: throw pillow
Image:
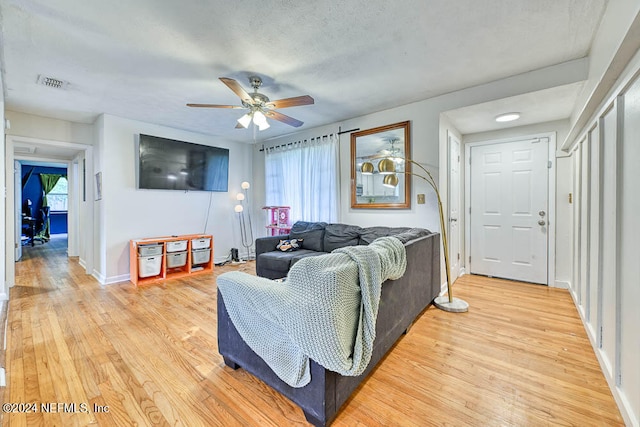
x: 289, y: 245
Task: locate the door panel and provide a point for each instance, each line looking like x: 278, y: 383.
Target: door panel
x: 509, y: 204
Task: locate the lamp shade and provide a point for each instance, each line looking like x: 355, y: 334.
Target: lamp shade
x: 245, y: 185
x: 245, y: 120
x: 390, y: 181
x: 238, y: 208
x: 240, y: 196
x: 386, y: 166
x: 366, y: 168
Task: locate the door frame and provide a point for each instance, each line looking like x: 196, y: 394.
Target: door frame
x: 461, y: 263
x: 551, y: 194
x: 86, y: 211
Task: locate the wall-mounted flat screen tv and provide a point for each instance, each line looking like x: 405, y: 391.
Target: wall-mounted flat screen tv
x: 167, y: 164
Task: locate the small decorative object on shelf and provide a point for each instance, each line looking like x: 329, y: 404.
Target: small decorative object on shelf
x: 160, y: 258
x: 279, y: 222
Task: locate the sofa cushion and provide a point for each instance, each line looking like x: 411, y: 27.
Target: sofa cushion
x: 282, y: 261
x: 369, y: 234
x: 303, y: 254
x: 311, y: 232
x: 412, y: 234
x: 340, y: 235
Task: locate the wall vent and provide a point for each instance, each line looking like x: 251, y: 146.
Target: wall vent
x: 24, y: 149
x: 52, y: 82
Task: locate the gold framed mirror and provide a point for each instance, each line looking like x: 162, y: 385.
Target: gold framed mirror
x: 379, y: 174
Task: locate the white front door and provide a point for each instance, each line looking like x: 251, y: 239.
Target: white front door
x: 509, y: 210
x: 454, y: 208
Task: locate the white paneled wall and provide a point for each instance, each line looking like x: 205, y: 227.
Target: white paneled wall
x: 629, y: 250
x: 606, y: 270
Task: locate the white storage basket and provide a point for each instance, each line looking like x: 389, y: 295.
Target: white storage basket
x: 150, y: 250
x: 177, y: 246
x: 200, y: 256
x: 201, y: 243
x: 176, y: 259
x: 149, y: 265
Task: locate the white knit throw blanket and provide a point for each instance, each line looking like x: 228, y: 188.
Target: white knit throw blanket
x: 325, y: 310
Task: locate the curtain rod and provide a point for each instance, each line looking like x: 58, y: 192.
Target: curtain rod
x: 340, y: 132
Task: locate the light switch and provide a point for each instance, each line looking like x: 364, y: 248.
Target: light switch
x: 421, y: 199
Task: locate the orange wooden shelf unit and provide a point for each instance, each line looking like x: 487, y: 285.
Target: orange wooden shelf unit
x: 195, y: 245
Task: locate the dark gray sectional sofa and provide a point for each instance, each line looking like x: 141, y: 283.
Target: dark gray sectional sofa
x: 318, y: 238
x: 401, y: 302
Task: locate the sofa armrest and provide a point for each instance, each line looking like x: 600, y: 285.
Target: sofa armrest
x: 268, y: 244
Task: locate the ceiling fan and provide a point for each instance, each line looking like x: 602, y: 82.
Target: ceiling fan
x: 259, y: 105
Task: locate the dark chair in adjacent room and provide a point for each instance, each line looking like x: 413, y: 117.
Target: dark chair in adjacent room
x: 42, y: 226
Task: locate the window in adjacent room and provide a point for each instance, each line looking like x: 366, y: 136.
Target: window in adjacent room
x: 57, y: 199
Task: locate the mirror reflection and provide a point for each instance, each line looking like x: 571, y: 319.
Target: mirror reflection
x: 377, y: 167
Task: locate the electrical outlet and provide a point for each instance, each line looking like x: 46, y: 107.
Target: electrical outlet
x: 421, y: 199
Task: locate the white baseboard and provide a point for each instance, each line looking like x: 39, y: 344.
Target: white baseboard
x: 3, y: 380
x: 626, y: 410
x: 98, y: 276
x: 562, y: 284
x: 117, y: 279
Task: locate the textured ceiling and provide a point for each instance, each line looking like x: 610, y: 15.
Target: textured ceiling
x: 146, y: 59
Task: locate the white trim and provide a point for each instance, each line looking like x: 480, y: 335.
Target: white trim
x: 3, y: 381
x: 450, y: 138
x: 551, y: 202
x: 101, y: 278
x: 117, y: 279
x: 87, y: 151
x: 562, y: 284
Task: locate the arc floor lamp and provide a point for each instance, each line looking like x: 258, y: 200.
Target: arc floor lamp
x: 448, y: 302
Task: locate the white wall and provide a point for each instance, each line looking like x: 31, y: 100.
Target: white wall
x: 4, y: 228
x: 126, y: 213
x: 605, y: 280
x: 426, y: 140
x: 50, y: 129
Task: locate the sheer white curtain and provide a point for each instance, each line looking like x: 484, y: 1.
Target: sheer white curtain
x: 304, y: 176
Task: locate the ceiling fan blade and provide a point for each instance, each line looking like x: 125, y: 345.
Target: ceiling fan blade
x: 283, y: 118
x: 237, y: 89
x: 291, y: 102
x: 214, y: 106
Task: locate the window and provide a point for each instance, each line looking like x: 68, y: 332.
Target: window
x: 305, y: 178
x: 58, y: 196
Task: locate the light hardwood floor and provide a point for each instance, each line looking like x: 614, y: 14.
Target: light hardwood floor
x: 519, y: 357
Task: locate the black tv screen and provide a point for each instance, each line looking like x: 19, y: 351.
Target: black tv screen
x: 167, y: 164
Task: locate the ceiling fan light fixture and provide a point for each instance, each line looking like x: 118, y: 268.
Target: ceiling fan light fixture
x: 507, y: 117
x: 260, y: 120
x: 245, y: 120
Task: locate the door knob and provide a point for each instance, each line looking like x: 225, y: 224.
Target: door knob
x: 542, y: 213
x: 541, y: 222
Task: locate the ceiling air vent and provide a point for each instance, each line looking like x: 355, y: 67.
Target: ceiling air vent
x: 52, y: 82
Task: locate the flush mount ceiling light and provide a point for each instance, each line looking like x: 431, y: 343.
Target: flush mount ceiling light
x: 507, y: 117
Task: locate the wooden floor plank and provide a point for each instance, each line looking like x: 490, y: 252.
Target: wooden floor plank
x: 148, y: 355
